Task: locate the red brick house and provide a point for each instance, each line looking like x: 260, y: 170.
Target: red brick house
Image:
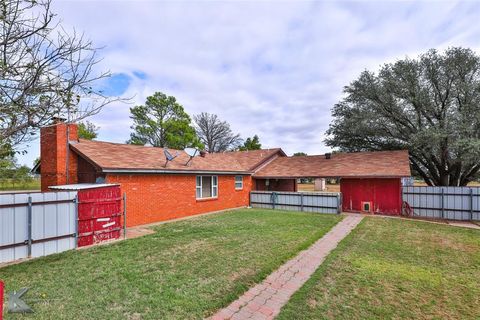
x: 157, y: 191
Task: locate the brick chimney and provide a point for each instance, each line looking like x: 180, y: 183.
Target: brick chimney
x: 54, y: 150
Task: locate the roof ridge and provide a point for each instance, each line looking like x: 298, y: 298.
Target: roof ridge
x: 238, y: 151
x: 122, y: 156
x: 124, y: 144
x: 344, y: 152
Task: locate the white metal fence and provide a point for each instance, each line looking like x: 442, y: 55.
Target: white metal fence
x: 454, y: 203
x: 297, y: 201
x: 36, y: 224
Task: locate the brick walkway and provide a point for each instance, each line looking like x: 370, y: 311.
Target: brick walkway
x: 265, y: 300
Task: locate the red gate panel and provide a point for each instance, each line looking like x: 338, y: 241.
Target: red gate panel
x: 99, y: 215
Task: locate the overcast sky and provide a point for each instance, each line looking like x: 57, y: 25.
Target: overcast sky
x: 269, y: 68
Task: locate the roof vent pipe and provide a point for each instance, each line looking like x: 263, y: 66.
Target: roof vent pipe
x: 203, y: 153
x: 328, y: 155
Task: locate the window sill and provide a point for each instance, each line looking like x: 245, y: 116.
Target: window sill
x: 239, y: 189
x: 206, y: 199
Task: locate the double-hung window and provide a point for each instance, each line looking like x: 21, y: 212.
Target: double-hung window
x: 207, y: 187
x: 238, y: 182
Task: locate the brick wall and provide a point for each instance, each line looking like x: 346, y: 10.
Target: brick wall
x: 159, y: 197
x: 53, y: 154
x: 288, y: 185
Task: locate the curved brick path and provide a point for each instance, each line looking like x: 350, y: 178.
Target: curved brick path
x: 265, y: 300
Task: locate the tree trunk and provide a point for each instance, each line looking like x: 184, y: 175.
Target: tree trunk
x: 421, y: 172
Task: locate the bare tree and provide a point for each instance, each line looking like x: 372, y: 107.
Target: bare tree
x: 45, y: 72
x: 215, y: 134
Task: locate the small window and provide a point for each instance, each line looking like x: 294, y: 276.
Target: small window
x: 207, y: 187
x: 238, y: 182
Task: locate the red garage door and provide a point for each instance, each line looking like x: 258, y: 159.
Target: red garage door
x: 375, y: 195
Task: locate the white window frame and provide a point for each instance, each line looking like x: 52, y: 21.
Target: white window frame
x: 199, y: 187
x: 240, y: 182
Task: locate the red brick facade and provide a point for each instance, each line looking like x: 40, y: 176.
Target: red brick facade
x: 159, y: 197
x: 53, y: 155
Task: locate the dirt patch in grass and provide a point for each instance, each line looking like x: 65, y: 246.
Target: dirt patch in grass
x: 395, y: 269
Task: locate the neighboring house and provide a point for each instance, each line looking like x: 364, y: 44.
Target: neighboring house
x: 158, y: 191
x: 35, y: 171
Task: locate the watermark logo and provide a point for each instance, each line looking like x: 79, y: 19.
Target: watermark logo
x: 16, y: 304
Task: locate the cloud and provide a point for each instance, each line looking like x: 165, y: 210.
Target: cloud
x: 269, y: 68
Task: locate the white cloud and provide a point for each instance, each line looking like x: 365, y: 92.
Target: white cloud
x: 270, y: 68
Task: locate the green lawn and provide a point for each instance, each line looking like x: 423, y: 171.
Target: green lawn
x: 11, y: 185
x: 395, y: 269
x: 185, y: 270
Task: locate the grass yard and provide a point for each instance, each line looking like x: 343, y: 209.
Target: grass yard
x: 10, y: 185
x: 395, y: 269
x: 310, y: 187
x: 186, y: 270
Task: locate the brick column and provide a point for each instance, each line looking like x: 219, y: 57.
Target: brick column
x: 54, y: 152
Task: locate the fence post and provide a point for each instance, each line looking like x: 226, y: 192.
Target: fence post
x: 29, y: 231
x: 273, y: 199
x: 471, y: 204
x: 301, y: 201
x: 1, y: 299
x: 443, y: 203
x: 76, y: 220
x: 124, y: 215
x: 339, y: 203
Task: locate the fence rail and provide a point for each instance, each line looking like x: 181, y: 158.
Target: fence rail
x: 297, y: 201
x: 453, y: 203
x: 36, y: 224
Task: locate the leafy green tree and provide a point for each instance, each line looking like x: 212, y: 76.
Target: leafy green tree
x: 6, y: 149
x: 251, y: 144
x: 429, y: 105
x: 8, y: 165
x: 299, y: 154
x: 22, y: 174
x: 162, y: 122
x: 87, y: 130
x: 12, y: 173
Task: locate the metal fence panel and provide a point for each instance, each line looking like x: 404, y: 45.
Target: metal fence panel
x: 296, y: 201
x: 53, y: 221
x: 453, y: 203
